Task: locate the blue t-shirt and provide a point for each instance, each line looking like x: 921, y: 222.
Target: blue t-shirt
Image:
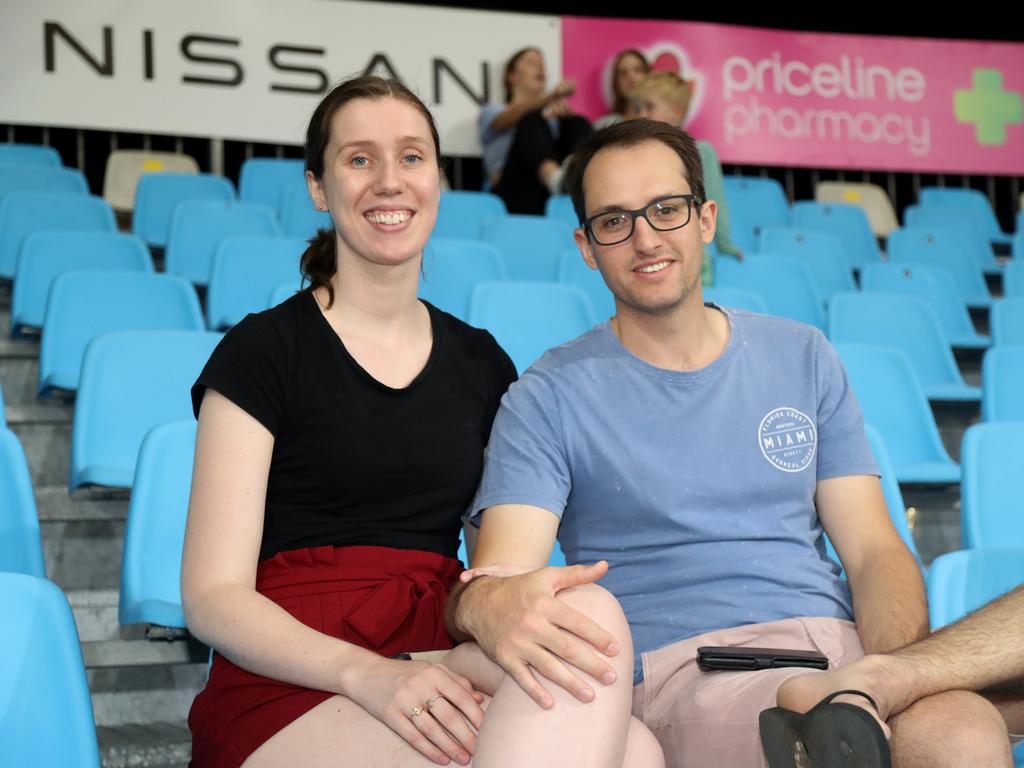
x: 697, y: 487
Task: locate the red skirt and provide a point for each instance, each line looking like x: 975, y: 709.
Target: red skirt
x: 387, y: 600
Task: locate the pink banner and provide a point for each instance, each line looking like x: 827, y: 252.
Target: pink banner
x: 765, y: 97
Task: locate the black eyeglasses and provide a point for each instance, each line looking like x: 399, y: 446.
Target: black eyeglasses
x: 664, y: 215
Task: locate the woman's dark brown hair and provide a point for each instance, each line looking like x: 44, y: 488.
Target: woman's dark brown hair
x: 320, y: 261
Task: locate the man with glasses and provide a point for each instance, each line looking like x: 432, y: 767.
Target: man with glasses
x: 695, y: 454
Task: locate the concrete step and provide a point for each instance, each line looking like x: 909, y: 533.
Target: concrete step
x: 55, y: 505
x: 145, y: 693
x: 953, y: 419
x: 155, y: 745
x: 936, y: 517
x: 95, y: 613
x: 83, y: 554
x: 133, y: 679
x: 45, y: 434
x: 116, y: 654
x: 19, y: 370
x: 969, y: 363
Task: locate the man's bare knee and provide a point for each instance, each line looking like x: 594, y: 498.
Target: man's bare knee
x: 956, y: 729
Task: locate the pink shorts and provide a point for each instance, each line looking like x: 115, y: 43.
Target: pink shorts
x: 710, y: 718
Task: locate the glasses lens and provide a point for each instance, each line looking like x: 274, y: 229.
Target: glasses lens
x: 671, y: 213
x: 612, y: 227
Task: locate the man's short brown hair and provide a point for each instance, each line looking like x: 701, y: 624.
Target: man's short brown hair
x: 630, y: 134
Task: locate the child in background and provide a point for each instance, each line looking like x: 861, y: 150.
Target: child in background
x: 665, y: 97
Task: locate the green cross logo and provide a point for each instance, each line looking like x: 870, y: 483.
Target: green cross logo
x: 988, y: 106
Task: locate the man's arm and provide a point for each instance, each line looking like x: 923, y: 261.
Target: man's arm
x: 888, y: 592
x: 517, y: 620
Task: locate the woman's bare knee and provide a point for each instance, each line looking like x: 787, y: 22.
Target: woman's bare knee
x: 601, y: 607
x: 642, y: 749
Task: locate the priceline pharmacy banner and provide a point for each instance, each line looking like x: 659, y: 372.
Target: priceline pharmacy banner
x: 835, y: 101
x: 254, y: 70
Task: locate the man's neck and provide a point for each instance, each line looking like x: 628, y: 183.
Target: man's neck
x: 687, y: 339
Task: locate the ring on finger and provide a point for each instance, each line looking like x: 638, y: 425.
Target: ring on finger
x: 417, y: 711
x: 429, y: 703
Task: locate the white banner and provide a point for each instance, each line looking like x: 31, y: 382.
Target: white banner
x: 250, y: 69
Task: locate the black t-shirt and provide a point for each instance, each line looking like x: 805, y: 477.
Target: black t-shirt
x: 356, y: 462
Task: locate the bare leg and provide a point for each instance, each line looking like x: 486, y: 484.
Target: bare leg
x: 516, y: 731
x: 572, y: 732
x: 981, y: 651
x: 922, y: 689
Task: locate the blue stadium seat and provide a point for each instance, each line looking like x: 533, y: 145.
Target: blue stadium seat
x: 25, y: 213
x: 970, y: 200
x: 992, y: 511
x: 907, y: 323
x: 738, y: 298
x: 462, y: 213
x: 848, y: 223
x: 891, y: 491
x: 158, y: 194
x: 154, y: 534
x: 1013, y: 276
x: 282, y: 293
x: 963, y: 223
x: 785, y: 285
x: 893, y: 401
x: 42, y: 178
x: 943, y: 248
x: 264, y: 179
x: 48, y: 720
x: 754, y: 205
x: 245, y: 271
x: 83, y: 305
x: 560, y: 207
x: 198, y: 227
x: 529, y: 318
x: 453, y: 268
x: 961, y: 582
x: 45, y: 255
x: 823, y: 253
x: 21, y: 549
x: 934, y: 284
x: 131, y: 382
x: 298, y: 216
x: 29, y: 154
x: 1002, y: 372
x: 1007, y: 321
x: 573, y: 270
x: 532, y: 245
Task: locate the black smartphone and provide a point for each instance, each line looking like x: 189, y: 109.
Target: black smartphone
x: 739, y: 659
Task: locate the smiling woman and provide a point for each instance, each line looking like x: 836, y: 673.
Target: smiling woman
x: 341, y: 436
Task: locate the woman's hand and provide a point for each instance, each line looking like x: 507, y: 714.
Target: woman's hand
x: 562, y: 90
x: 426, y: 704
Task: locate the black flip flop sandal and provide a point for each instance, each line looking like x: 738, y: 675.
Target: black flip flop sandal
x: 831, y: 735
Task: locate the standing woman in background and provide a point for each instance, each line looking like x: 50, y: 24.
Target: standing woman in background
x: 341, y: 437
x: 527, y: 139
x: 629, y: 68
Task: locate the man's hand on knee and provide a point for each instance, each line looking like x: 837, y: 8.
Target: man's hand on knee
x: 521, y: 624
